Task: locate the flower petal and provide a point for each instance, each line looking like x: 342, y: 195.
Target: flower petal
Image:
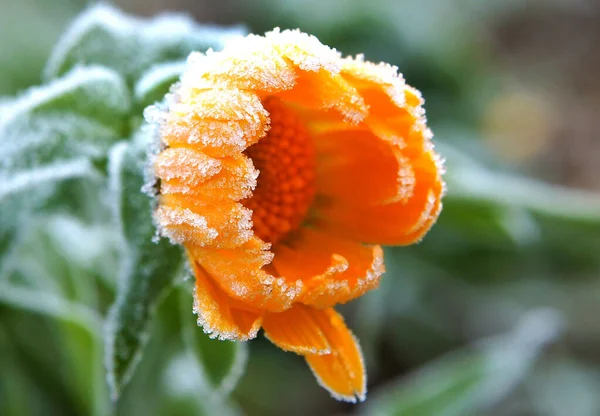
x: 218, y: 122
x: 295, y: 330
x: 324, y: 90
x: 241, y: 272
x: 220, y: 315
x: 185, y: 219
x: 396, y: 223
x: 342, y: 372
x: 381, y: 85
x: 330, y: 269
x: 357, y: 167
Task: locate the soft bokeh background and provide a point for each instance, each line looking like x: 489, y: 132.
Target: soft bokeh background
x: 494, y: 313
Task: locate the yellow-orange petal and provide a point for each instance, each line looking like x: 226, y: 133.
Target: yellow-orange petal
x: 219, y: 315
x: 342, y: 372
x: 331, y: 269
x: 295, y: 330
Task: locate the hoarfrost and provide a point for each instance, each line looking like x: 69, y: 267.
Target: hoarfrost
x: 103, y: 35
x: 23, y: 180
x: 152, y: 85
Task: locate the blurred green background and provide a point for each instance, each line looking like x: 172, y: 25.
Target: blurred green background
x: 494, y: 313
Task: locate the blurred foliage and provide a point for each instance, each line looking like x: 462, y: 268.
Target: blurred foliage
x: 493, y: 313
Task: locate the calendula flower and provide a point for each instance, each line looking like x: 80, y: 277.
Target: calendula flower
x: 283, y: 166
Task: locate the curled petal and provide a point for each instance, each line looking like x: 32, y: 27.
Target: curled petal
x: 186, y: 220
x: 216, y: 122
x: 381, y: 86
x: 325, y: 90
x: 203, y: 179
x: 402, y: 222
x: 330, y: 269
x: 219, y: 315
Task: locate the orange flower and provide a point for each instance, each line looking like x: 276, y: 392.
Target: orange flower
x: 283, y: 165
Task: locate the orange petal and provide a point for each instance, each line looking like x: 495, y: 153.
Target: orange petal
x: 191, y: 172
x: 218, y: 122
x: 380, y: 84
x: 295, y: 330
x: 325, y: 90
x: 330, y: 269
x: 186, y: 219
x: 241, y: 273
x: 342, y: 372
x: 396, y: 223
x: 220, y: 315
x: 357, y: 167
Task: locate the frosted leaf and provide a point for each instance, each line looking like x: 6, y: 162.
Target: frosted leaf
x: 49, y: 136
x: 147, y: 269
x: 31, y: 142
x: 105, y: 36
x: 79, y: 115
x: 26, y: 180
x: 93, y: 92
x: 156, y: 82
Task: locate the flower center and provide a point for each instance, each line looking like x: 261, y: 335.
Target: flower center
x: 285, y: 189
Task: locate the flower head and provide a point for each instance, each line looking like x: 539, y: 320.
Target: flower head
x: 283, y: 166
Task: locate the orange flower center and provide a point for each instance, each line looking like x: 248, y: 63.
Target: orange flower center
x: 285, y: 158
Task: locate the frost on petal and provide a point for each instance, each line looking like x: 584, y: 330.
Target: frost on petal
x: 325, y: 90
x: 243, y: 273
x: 219, y: 315
x: 304, y: 51
x: 181, y: 225
x: 235, y: 181
x: 186, y: 221
x: 373, y: 79
x: 187, y: 165
x: 220, y: 122
x: 246, y: 64
x: 333, y: 269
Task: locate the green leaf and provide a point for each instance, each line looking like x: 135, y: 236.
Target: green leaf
x: 79, y: 115
x: 470, y: 381
x: 156, y: 82
x: 222, y: 362
x: 148, y: 268
x: 51, y: 134
x: 103, y: 35
x: 46, y: 304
